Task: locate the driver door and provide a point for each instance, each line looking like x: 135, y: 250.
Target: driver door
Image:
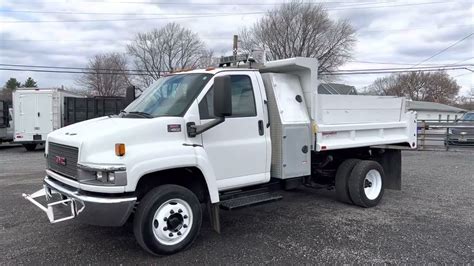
x: 237, y: 148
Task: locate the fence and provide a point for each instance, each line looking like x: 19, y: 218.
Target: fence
x: 80, y: 109
x: 4, y: 114
x: 434, y: 135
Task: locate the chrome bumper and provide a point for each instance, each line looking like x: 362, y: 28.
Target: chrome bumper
x: 105, y: 211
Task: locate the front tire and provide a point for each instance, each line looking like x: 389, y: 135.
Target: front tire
x: 168, y: 220
x: 366, y: 186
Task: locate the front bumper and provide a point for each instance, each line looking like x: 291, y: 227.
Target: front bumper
x: 86, y: 207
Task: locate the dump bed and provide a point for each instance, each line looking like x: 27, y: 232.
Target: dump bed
x: 337, y: 121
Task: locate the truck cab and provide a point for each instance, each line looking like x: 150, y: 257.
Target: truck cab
x: 221, y: 137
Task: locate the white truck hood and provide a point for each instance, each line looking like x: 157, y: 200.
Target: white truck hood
x: 96, y: 138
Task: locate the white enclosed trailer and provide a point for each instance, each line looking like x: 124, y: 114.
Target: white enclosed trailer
x: 36, y: 113
x: 228, y: 138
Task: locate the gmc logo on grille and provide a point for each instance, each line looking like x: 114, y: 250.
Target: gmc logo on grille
x: 60, y: 160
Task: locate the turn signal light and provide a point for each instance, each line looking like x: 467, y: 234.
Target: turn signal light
x: 119, y: 149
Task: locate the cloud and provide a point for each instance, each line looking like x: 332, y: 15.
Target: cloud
x: 407, y: 33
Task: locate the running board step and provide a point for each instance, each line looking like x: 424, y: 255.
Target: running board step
x: 240, y: 202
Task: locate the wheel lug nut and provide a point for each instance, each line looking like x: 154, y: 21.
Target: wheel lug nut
x: 165, y: 228
x: 155, y: 223
x: 180, y: 211
x: 185, y: 226
x: 171, y: 234
x: 171, y: 211
x: 179, y: 233
x: 185, y: 216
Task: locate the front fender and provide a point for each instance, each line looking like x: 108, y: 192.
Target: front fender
x: 168, y: 157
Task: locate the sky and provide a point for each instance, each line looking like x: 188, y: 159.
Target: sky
x: 390, y: 33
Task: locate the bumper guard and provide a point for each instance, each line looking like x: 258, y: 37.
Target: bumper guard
x: 105, y: 211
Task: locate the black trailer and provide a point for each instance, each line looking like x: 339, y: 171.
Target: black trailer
x: 81, y: 109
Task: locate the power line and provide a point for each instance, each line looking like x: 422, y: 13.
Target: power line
x: 404, y: 64
x: 390, y: 72
x: 187, y: 4
x: 79, y: 70
x: 72, y: 68
x: 349, y: 3
x: 226, y: 38
x: 443, y: 50
x: 372, y: 4
x: 204, y: 14
x: 403, y: 68
x: 70, y: 71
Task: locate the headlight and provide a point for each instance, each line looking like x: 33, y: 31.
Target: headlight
x: 105, y: 177
x: 102, y: 175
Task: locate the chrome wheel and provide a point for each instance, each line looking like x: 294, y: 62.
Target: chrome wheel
x: 372, y: 184
x: 172, y: 222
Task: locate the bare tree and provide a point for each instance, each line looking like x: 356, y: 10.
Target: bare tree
x: 301, y: 29
x: 107, y: 75
x: 162, y: 50
x: 418, y: 86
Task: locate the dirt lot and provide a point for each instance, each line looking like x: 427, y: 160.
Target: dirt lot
x: 429, y: 221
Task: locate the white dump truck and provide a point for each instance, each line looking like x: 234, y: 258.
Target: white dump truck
x: 224, y: 138
x: 36, y: 113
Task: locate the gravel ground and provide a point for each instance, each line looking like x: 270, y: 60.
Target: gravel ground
x: 429, y: 221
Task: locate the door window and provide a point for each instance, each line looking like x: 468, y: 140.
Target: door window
x: 243, y: 99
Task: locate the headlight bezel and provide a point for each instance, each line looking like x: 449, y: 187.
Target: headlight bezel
x: 104, y: 175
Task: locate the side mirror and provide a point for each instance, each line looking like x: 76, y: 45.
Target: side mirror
x: 222, y: 96
x: 222, y: 107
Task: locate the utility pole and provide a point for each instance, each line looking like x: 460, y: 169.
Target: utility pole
x: 234, y: 48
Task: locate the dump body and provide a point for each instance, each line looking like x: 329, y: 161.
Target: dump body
x: 343, y: 121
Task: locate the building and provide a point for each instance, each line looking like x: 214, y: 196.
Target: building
x: 334, y: 88
x: 430, y: 111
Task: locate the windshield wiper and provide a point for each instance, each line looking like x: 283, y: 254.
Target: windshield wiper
x: 143, y: 114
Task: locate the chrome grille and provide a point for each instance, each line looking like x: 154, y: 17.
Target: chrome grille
x: 69, y: 167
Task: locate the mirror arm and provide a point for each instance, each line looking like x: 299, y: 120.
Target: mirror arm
x: 194, y: 130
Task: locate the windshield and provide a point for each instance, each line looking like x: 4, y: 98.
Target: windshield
x: 169, y: 96
x: 468, y: 117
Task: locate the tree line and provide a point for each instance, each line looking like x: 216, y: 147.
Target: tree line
x: 418, y: 86
x: 293, y: 29
x: 13, y: 84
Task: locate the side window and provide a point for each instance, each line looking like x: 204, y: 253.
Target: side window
x: 243, y: 99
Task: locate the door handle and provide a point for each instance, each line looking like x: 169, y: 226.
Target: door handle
x: 38, y: 114
x: 260, y: 128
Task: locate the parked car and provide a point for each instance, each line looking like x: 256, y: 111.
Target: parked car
x: 462, y: 133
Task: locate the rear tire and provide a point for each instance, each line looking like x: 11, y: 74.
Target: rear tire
x: 342, y: 180
x: 30, y: 146
x: 366, y: 186
x: 168, y: 220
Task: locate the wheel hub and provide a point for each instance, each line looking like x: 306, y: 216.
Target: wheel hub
x: 172, y: 222
x: 175, y: 222
x: 372, y: 184
x: 367, y: 183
